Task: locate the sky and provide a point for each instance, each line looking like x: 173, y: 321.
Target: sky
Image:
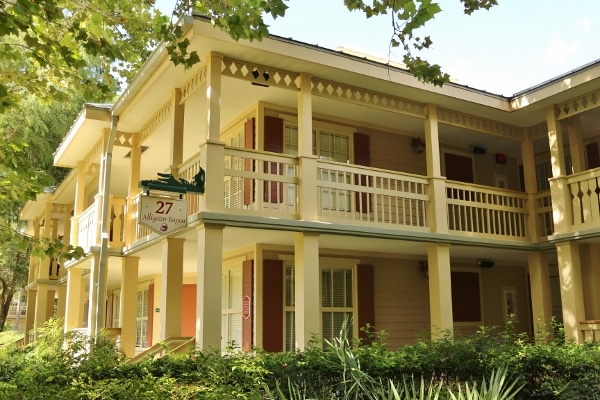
x: 513, y: 46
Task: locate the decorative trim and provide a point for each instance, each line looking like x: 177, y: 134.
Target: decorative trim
x: 578, y: 105
x: 124, y: 139
x: 484, y: 125
x: 158, y: 118
x: 259, y: 74
x: 365, y: 97
x: 92, y: 155
x: 538, y: 131
x: 194, y: 83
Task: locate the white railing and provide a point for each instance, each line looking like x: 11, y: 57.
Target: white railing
x: 355, y: 193
x: 585, y: 196
x: 485, y: 210
x: 89, y: 225
x: 543, y: 212
x: 259, y: 182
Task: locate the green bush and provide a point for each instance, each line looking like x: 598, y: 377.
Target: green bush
x: 59, y: 366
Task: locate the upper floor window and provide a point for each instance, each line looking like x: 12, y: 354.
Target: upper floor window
x: 328, y: 143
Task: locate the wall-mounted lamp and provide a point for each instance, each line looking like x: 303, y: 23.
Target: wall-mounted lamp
x: 485, y: 263
x: 418, y: 145
x: 424, y: 267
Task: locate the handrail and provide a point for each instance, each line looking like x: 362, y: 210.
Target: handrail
x: 160, y: 349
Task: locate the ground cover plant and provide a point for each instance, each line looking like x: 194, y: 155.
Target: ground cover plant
x: 493, y: 364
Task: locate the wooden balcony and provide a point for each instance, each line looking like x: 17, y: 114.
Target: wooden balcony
x: 88, y: 234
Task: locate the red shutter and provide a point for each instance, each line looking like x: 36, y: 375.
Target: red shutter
x: 248, y: 301
x: 273, y: 305
x: 366, y: 297
x: 273, y: 192
x: 248, y: 144
x: 188, y: 310
x: 362, y: 156
x: 150, y: 314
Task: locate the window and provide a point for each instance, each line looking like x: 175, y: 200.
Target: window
x: 231, y: 307
x: 141, y: 337
x: 509, y: 302
x: 331, y: 146
x: 337, y: 302
x: 116, y: 310
x: 233, y: 196
x: 543, y: 172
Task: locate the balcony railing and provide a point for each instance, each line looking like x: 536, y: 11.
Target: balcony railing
x: 367, y: 195
x: 486, y: 211
x: 543, y: 210
x: 585, y: 196
x: 89, y: 225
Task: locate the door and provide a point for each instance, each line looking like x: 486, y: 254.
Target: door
x: 458, y: 168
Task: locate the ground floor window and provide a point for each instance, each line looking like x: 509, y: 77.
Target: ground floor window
x: 337, y: 301
x: 231, y: 307
x: 141, y: 336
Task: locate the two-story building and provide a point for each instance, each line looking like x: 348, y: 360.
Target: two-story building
x: 334, y: 186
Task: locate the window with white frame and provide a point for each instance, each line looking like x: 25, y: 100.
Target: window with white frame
x: 337, y: 301
x: 231, y: 307
x: 141, y: 337
x: 233, y: 196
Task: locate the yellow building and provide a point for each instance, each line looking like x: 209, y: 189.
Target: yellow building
x: 334, y: 186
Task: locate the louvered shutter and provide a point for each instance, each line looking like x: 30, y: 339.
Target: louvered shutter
x: 365, y: 297
x: 248, y: 301
x: 362, y: 156
x: 273, y: 305
x: 273, y: 191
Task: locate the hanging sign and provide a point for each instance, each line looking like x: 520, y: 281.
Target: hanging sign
x: 162, y: 214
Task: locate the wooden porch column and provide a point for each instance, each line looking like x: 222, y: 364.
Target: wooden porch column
x: 437, y: 183
x: 93, y: 293
x: 208, y: 297
x: 308, y: 162
x: 177, y: 133
x: 576, y: 144
x: 561, y: 196
x: 135, y: 163
x: 307, y: 288
x: 211, y: 148
x: 172, y: 287
x: 79, y: 204
x: 127, y: 307
x: 590, y: 277
x: 440, y: 289
x: 74, y: 305
x: 30, y: 313
x: 541, y: 300
x: 571, y: 289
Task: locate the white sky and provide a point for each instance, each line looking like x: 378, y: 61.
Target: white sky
x: 515, y: 45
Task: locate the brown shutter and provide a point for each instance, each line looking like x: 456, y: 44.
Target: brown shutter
x: 150, y: 314
x: 273, y: 192
x: 249, y: 135
x: 247, y: 301
x: 362, y: 156
x: 366, y: 297
x: 593, y: 158
x: 273, y: 305
x: 188, y: 310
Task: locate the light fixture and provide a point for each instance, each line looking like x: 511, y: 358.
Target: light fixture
x: 424, y: 267
x: 418, y: 145
x: 478, y: 150
x: 485, y: 263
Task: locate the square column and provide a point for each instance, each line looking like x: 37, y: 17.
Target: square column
x: 440, y: 289
x: 93, y: 294
x: 541, y: 299
x: 208, y: 287
x: 30, y: 313
x: 128, y: 305
x: 61, y: 305
x: 74, y: 305
x: 307, y: 288
x: 571, y: 289
x: 172, y: 283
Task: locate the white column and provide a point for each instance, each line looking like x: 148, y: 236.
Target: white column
x: 172, y: 286
x: 208, y: 296
x: 307, y: 288
x: 437, y: 183
x: 571, y: 289
x: 440, y: 289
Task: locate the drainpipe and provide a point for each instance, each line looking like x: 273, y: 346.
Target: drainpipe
x: 104, y: 227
